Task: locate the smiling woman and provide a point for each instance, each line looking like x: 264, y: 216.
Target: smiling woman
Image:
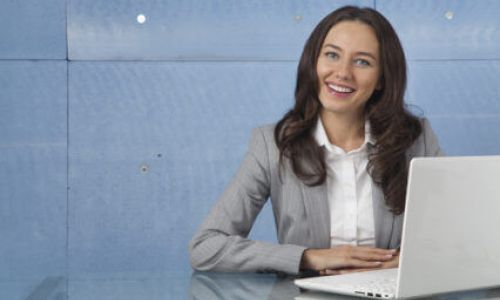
x: 334, y: 167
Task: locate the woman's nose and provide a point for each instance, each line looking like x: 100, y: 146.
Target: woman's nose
x: 344, y: 71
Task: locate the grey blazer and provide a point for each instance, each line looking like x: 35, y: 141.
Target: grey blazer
x: 301, y: 213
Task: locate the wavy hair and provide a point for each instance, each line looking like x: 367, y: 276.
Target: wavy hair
x: 395, y: 129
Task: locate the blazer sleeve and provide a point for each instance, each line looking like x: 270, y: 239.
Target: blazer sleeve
x: 221, y: 243
x: 430, y: 142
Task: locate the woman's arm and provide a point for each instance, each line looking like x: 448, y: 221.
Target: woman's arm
x: 221, y: 243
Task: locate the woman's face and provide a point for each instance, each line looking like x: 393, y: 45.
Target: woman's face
x: 348, y: 68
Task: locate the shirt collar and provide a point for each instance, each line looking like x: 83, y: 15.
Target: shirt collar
x: 322, y: 139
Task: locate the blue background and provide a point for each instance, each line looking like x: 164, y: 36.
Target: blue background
x: 117, y: 137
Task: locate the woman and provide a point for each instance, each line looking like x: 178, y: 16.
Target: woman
x: 335, y: 166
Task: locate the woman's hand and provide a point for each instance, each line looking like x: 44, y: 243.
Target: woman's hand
x: 343, y: 259
x: 393, y: 263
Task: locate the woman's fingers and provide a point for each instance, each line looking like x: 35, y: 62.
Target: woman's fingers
x: 344, y: 257
x: 348, y: 271
x: 373, y: 251
x: 393, y: 263
x: 357, y: 263
x: 344, y: 263
x: 343, y: 271
x: 365, y: 253
x: 373, y: 254
x: 329, y: 272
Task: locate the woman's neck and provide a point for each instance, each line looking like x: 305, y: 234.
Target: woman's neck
x: 344, y: 131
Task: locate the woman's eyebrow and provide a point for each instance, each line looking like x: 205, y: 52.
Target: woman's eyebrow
x: 333, y: 46
x: 364, y: 53
x: 367, y: 54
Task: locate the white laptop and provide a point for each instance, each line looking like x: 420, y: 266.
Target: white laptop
x: 451, y: 239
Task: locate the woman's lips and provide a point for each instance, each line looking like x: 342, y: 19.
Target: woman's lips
x: 339, y: 90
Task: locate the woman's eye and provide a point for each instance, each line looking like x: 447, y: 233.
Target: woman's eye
x: 331, y: 54
x: 361, y: 62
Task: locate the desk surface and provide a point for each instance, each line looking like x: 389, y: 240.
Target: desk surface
x: 187, y: 285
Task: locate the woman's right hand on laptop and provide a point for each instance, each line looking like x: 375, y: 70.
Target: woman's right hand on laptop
x: 339, y: 259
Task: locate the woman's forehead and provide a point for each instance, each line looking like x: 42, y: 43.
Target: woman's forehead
x: 352, y: 36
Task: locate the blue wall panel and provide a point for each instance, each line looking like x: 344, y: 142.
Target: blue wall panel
x: 445, y: 29
x: 474, y: 135
x: 32, y: 211
x: 187, y: 125
x: 457, y: 88
x: 33, y: 29
x: 462, y: 98
x: 33, y: 102
x: 33, y: 168
x: 194, y: 29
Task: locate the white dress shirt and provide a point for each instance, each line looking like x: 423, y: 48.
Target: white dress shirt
x: 349, y: 189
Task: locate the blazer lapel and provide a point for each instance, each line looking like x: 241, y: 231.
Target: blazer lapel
x: 382, y: 217
x: 317, y: 215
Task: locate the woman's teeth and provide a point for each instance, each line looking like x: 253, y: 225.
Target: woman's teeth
x: 340, y: 89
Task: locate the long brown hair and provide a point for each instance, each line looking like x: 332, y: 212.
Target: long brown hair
x: 393, y: 126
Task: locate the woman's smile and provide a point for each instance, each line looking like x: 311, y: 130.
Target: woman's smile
x: 339, y: 90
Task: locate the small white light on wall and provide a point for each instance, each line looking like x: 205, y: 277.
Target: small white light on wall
x: 448, y: 15
x: 141, y: 19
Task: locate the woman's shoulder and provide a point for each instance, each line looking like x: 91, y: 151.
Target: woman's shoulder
x: 267, y: 130
x: 427, y: 143
x: 426, y: 128
x: 424, y: 122
x: 263, y: 138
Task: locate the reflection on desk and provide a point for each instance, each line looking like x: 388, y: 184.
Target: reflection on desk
x: 257, y: 286
x: 248, y: 286
x: 178, y: 286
